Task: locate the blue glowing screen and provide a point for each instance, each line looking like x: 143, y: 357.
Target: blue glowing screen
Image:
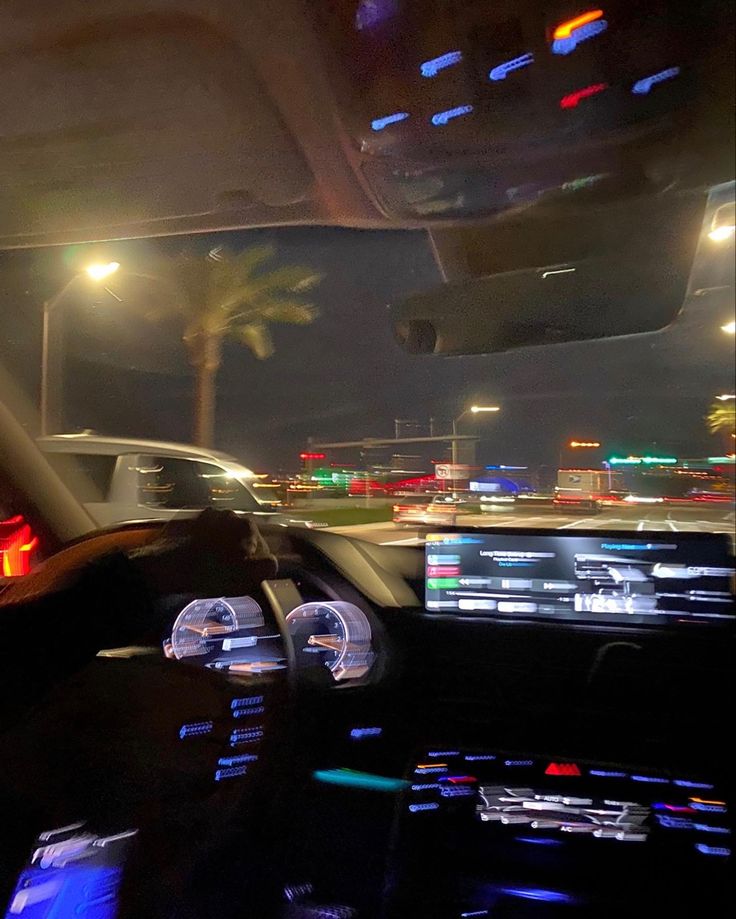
x: 71, y: 872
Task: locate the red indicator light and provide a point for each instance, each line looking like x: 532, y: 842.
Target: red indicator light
x: 443, y: 571
x: 562, y: 769
x: 312, y: 456
x: 679, y: 809
x: 565, y: 29
x: 460, y: 779
x: 17, y: 542
x: 572, y: 100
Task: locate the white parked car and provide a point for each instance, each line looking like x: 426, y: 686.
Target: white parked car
x: 120, y: 480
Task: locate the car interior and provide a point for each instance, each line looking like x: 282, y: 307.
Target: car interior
x: 381, y: 731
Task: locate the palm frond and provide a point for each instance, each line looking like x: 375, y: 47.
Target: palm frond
x: 255, y: 335
x: 285, y: 278
x: 293, y: 312
x: 237, y: 295
x: 721, y: 418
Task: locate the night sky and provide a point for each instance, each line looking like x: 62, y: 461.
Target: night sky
x: 343, y: 377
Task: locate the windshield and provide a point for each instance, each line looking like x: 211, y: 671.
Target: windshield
x: 259, y: 368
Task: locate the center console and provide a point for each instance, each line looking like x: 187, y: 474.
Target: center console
x: 488, y: 833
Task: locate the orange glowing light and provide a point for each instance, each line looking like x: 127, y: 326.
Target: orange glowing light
x: 565, y: 29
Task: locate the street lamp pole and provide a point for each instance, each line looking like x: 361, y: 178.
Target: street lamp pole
x: 96, y: 273
x: 45, y: 371
x: 473, y: 410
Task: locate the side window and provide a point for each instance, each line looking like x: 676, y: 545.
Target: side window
x: 225, y: 491
x: 87, y: 475
x: 165, y: 481
x: 181, y: 484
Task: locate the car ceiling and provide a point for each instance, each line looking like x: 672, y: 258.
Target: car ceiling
x: 128, y: 118
x: 145, y: 117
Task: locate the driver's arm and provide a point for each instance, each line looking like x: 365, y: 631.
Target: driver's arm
x: 110, y: 602
x: 49, y: 637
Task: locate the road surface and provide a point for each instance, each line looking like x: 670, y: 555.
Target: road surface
x: 698, y: 518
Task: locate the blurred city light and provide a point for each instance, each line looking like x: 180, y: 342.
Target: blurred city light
x: 99, y: 271
x: 723, y: 225
x: 577, y: 444
x: 642, y: 460
x: 729, y: 328
x: 726, y: 396
x: 475, y: 409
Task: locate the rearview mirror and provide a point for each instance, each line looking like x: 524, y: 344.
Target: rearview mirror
x: 598, y: 298
x: 627, y: 273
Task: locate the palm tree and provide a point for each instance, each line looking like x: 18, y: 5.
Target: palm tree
x: 722, y: 417
x: 236, y: 296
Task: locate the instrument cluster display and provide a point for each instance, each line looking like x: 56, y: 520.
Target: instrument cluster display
x: 335, y: 635
x: 232, y: 634
x: 228, y: 634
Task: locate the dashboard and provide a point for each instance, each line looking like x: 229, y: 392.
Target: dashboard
x: 498, y: 724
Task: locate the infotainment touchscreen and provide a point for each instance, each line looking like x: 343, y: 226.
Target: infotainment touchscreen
x: 600, y: 578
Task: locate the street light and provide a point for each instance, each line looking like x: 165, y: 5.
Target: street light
x: 729, y: 328
x: 95, y: 272
x: 99, y: 272
x: 726, y: 397
x: 578, y: 445
x: 473, y: 410
x: 723, y: 225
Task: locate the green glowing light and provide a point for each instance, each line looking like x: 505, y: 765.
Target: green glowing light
x: 643, y: 461
x: 365, y: 780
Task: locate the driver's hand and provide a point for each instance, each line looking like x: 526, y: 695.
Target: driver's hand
x: 113, y: 601
x: 215, y: 554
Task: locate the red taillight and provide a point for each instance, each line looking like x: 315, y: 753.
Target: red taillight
x: 17, y: 542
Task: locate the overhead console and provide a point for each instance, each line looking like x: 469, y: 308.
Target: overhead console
x: 461, y: 110
x: 597, y: 578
